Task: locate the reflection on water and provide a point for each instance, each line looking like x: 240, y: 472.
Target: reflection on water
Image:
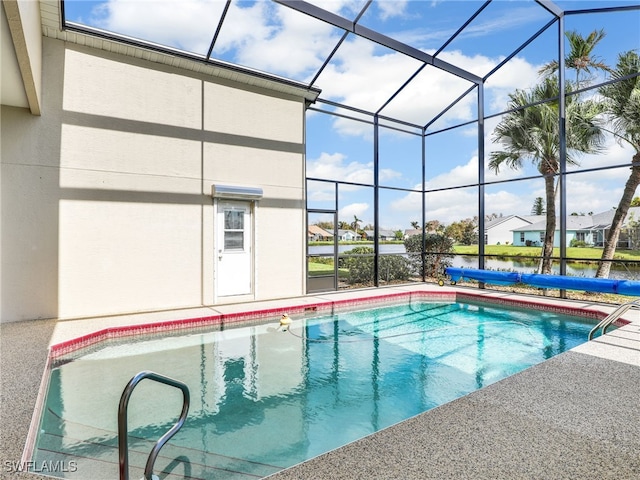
x: 619, y: 270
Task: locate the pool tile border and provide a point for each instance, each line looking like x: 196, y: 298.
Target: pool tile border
x: 259, y: 316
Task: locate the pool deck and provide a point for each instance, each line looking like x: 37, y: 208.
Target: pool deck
x: 576, y: 416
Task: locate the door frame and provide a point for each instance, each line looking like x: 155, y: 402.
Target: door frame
x: 249, y: 206
x: 327, y: 282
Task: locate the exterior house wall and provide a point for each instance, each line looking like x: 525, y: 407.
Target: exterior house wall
x: 573, y: 235
x: 106, y: 197
x: 534, y: 237
x: 502, y: 233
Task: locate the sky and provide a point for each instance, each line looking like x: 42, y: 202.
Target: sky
x: 268, y: 37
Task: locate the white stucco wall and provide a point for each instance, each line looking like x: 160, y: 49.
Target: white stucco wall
x: 503, y: 232
x: 106, y: 197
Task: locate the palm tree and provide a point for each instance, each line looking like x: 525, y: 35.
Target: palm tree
x: 583, y: 134
x: 415, y: 225
x: 622, y: 104
x: 355, y: 223
x: 531, y: 131
x: 580, y: 57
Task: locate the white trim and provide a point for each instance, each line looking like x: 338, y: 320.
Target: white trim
x: 236, y: 192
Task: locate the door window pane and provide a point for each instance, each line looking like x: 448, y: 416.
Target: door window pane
x: 233, y: 240
x: 233, y: 220
x: 234, y: 230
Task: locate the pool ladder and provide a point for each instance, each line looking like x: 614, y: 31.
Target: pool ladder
x: 612, y: 317
x: 123, y: 448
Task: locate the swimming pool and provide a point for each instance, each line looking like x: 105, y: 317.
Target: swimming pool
x: 264, y: 399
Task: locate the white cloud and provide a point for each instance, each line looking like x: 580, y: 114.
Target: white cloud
x: 516, y: 73
x: 188, y: 27
x: 508, y: 203
x: 613, y: 154
x: 359, y: 63
x: 446, y: 206
x: 277, y: 39
x: 392, y: 9
x: 585, y: 193
x: 459, y: 175
x: 432, y: 91
x: 452, y: 205
x: 360, y: 210
x: 336, y: 167
x: 260, y: 35
x: 407, y: 207
x: 348, y: 127
x: 344, y: 8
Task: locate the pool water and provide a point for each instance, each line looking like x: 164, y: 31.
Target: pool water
x: 264, y: 398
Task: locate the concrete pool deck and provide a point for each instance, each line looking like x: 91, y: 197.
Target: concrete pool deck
x: 576, y: 416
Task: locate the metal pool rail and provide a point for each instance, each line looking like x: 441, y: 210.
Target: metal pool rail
x: 612, y: 317
x: 123, y: 448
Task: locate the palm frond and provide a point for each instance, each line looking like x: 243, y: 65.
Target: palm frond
x: 622, y: 98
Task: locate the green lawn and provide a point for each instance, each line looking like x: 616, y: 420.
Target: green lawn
x: 325, y: 269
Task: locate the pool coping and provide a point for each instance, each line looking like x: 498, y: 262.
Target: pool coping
x: 63, y: 335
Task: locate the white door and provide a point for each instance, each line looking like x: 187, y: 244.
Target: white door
x: 233, y: 249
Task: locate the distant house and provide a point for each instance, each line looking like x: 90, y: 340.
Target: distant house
x: 382, y: 234
x: 317, y: 234
x: 348, y: 235
x: 590, y: 229
x: 387, y: 235
x: 578, y: 228
x: 410, y: 232
x: 499, y: 231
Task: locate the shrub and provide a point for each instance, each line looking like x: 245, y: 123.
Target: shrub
x: 393, y: 267
x: 438, y: 254
x: 359, y: 262
x: 323, y: 260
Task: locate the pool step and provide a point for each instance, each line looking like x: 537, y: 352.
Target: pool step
x: 390, y: 320
x: 97, y: 458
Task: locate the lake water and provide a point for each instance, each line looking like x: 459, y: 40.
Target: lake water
x: 619, y: 271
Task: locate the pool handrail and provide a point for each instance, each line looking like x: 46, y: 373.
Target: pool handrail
x: 123, y: 448
x: 612, y: 317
